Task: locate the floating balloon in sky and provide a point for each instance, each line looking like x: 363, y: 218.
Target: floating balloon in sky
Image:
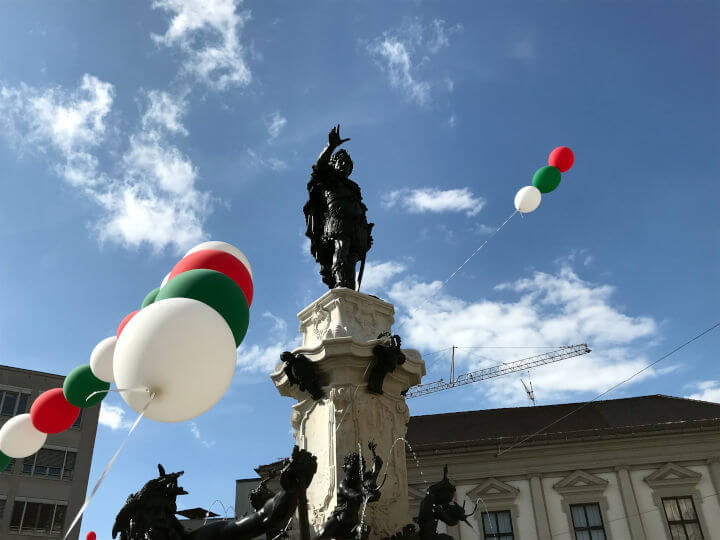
x: 546, y: 178
x: 220, y: 261
x: 19, y: 438
x: 217, y: 291
x: 527, y: 199
x: 80, y: 385
x: 562, y: 158
x: 223, y: 246
x: 182, y: 350
x: 101, y: 359
x: 150, y: 297
x: 51, y: 412
x: 126, y: 320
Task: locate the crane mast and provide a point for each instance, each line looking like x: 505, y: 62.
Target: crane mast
x: 563, y: 353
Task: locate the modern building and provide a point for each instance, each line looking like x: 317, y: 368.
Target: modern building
x: 644, y: 468
x: 41, y: 494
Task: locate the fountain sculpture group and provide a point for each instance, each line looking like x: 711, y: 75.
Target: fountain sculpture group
x: 349, y: 378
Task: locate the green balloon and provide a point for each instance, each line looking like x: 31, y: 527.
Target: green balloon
x: 150, y: 298
x: 217, y: 291
x: 4, y: 460
x: 80, y: 383
x: 546, y: 178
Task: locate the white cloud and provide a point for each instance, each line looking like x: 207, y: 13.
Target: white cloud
x: 543, y: 310
x: 275, y: 124
x: 434, y: 200
x: 207, y: 32
x: 378, y: 274
x: 165, y: 111
x: 149, y: 196
x: 73, y: 123
x: 113, y: 417
x: 195, y: 430
x: 707, y: 391
x: 440, y: 36
x: 397, y: 52
x: 257, y: 161
x: 279, y: 325
x: 396, y: 55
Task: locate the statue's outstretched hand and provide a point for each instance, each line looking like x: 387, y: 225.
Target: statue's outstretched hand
x: 334, y: 137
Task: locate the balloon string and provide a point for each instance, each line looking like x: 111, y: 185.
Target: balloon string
x: 102, y: 476
x: 464, y: 263
x: 138, y: 389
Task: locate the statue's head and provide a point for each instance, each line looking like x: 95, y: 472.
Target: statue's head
x: 342, y: 163
x: 352, y: 465
x: 442, y: 492
x: 149, y: 514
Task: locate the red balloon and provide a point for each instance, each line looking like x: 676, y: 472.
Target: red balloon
x: 126, y: 320
x: 51, y: 412
x: 220, y: 261
x: 91, y: 536
x: 562, y: 158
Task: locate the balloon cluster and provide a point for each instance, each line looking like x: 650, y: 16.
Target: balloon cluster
x: 180, y: 346
x: 544, y: 180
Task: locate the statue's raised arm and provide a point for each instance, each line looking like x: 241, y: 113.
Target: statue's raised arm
x: 334, y: 140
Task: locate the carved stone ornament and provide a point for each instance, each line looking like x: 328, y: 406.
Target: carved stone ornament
x: 343, y: 313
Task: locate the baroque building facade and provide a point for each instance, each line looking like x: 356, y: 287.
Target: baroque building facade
x: 644, y: 468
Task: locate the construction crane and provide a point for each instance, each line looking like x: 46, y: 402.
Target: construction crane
x: 563, y: 353
x: 529, y: 391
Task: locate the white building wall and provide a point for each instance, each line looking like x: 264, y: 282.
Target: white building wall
x: 710, y: 505
x: 617, y: 523
x: 525, y: 518
x: 651, y: 517
x: 556, y: 516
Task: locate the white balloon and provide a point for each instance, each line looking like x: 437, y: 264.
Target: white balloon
x: 101, y: 359
x: 180, y: 349
x: 527, y: 199
x: 227, y: 248
x: 19, y: 438
x: 165, y: 279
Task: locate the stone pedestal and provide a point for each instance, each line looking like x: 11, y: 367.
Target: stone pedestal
x: 339, y: 332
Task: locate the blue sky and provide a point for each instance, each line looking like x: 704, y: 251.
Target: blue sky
x: 132, y: 131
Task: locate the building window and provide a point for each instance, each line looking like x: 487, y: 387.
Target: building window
x: 682, y: 518
x: 78, y: 421
x: 50, y: 463
x: 13, y: 403
x: 42, y: 518
x: 587, y: 522
x: 497, y: 525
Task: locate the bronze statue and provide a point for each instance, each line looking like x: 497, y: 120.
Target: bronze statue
x: 335, y: 217
x: 437, y: 505
x: 358, y: 488
x: 385, y: 359
x: 149, y: 514
x: 300, y: 370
